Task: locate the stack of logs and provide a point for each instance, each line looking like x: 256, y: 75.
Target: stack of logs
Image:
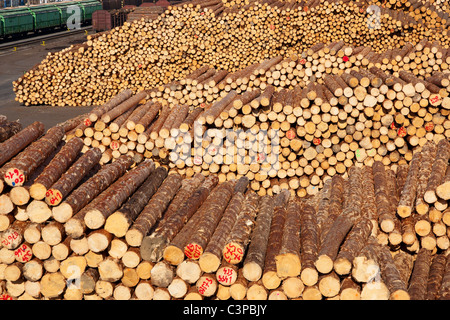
x: 145, y: 54
x: 74, y: 229
x: 284, y: 122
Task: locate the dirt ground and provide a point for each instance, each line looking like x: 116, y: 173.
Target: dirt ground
x: 13, y: 64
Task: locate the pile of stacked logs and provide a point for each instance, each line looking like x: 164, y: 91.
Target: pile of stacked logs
x: 74, y: 229
x: 146, y: 54
x: 295, y: 121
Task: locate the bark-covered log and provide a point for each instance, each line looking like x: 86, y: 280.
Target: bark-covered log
x: 417, y: 288
x: 153, y: 210
x: 254, y: 261
x: 212, y: 255
x: 208, y: 216
x: 437, y: 171
x: 90, y: 189
x: 239, y: 236
x: 354, y: 242
x: 428, y: 156
x: 435, y: 276
x: 153, y: 246
x: 270, y: 278
x: 119, y: 222
x: 55, y: 169
x: 18, y: 169
x: 332, y: 242
x: 69, y: 180
x: 408, y: 195
x: 117, y: 194
x: 19, y: 141
x: 288, y: 258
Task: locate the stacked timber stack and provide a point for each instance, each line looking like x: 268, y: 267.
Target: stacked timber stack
x: 138, y: 231
x: 146, y: 54
x: 319, y: 112
x: 146, y: 13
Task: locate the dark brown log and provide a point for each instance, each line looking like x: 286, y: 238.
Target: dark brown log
x: 119, y: 222
x: 288, y: 258
x: 57, y: 166
x: 435, y: 277
x: 309, y: 242
x: 239, y: 236
x: 76, y: 226
x: 437, y: 171
x: 18, y: 169
x: 89, y: 190
x: 407, y: 197
x: 211, y: 258
x: 70, y: 179
x: 254, y: 261
x: 153, y: 211
x: 117, y: 194
x: 352, y: 245
x: 270, y: 278
x: 153, y: 250
x: 417, y: 288
x: 211, y: 212
x: 19, y: 141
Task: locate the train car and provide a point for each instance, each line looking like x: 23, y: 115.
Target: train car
x: 15, y: 21
x: 20, y: 21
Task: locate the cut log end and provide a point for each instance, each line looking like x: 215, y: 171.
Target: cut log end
x: 288, y: 265
x: 252, y: 271
x: 134, y: 238
x: 271, y: 280
x: 173, y: 255
x: 209, y: 262
x: 403, y: 211
x: 117, y: 224
x: 94, y: 219
x: 399, y: 295
x: 62, y: 213
x: 342, y: 266
x: 309, y: 276
x: 324, y: 264
x: 38, y: 191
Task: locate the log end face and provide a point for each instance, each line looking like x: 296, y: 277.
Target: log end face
x: 288, y: 265
x: 62, y: 213
x: 117, y: 224
x: 173, y: 255
x: 309, y: 276
x: 152, y: 248
x: 271, y: 280
x: 342, y: 266
x: 209, y: 262
x: 399, y: 295
x: 37, y: 191
x: 252, y: 271
x: 403, y: 211
x: 324, y: 264
x: 94, y: 219
x: 134, y: 238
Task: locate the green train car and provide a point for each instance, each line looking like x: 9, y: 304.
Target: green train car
x: 20, y: 21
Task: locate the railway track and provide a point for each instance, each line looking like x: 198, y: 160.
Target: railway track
x: 41, y: 38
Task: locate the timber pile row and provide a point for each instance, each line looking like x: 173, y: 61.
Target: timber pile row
x: 146, y: 54
x: 72, y: 229
x: 433, y: 14
x: 294, y: 121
